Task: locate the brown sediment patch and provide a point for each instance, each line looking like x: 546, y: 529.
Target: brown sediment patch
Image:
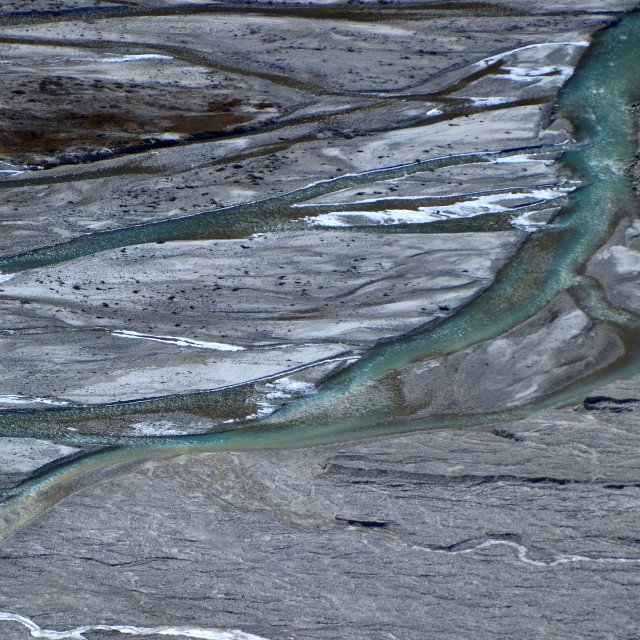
x: 209, y: 123
x: 51, y: 120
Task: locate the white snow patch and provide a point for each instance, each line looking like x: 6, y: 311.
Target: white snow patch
x: 6, y: 276
x: 293, y: 386
x: 523, y: 72
x: 478, y: 205
x: 278, y: 391
x: 541, y: 75
x: 526, y: 222
x: 135, y: 58
x: 284, y: 388
x: 181, y: 342
x: 197, y: 633
x: 266, y: 407
x: 485, y: 62
x: 522, y: 158
x: 486, y: 102
x: 434, y: 112
x: 19, y: 399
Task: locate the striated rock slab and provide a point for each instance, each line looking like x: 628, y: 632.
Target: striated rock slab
x: 247, y: 308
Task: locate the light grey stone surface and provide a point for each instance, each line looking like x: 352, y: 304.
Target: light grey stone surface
x: 21, y: 457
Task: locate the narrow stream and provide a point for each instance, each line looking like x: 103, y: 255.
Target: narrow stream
x: 238, y: 221
x: 598, y: 100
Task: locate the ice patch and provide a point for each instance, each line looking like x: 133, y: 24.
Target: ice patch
x: 485, y: 62
x: 135, y: 58
x: 479, y: 205
x: 293, y: 386
x: 19, y: 399
x: 525, y: 224
x: 160, y: 428
x: 522, y: 158
x: 435, y: 112
x: 181, y: 342
x: 486, y: 102
x: 275, y: 392
x: 541, y: 75
x: 196, y: 633
x: 6, y: 276
x: 266, y: 406
x: 523, y: 72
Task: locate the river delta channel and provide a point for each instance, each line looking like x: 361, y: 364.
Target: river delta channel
x: 319, y: 320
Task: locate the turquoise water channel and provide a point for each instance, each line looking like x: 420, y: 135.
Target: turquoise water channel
x: 357, y: 401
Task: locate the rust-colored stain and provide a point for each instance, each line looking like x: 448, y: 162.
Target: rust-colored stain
x: 54, y: 120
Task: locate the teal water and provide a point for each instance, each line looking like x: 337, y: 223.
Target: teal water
x: 355, y: 403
